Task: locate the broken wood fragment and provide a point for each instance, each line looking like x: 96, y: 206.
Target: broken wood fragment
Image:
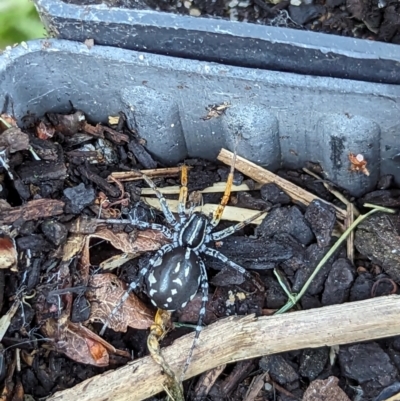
x: 244, y: 337
x: 231, y: 213
x: 264, y: 176
x: 207, y: 381
x: 217, y: 187
x: 152, y: 173
x: 32, y: 210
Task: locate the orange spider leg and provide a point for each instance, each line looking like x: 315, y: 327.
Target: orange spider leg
x: 183, y: 193
x: 225, y: 198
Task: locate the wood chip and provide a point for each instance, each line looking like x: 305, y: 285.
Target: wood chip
x: 327, y: 390
x: 33, y: 210
x: 264, y: 176
x: 206, y: 381
x: 255, y: 387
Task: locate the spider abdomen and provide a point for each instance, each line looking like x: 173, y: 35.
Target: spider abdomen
x: 174, y: 279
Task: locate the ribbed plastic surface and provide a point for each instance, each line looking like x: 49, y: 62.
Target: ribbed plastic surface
x: 285, y: 119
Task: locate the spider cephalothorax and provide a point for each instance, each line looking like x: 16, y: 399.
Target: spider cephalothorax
x: 175, y: 273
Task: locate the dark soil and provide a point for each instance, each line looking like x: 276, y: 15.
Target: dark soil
x: 367, y: 19
x: 53, y: 291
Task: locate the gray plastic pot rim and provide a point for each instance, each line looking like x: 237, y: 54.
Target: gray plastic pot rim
x: 351, y: 47
x: 199, y: 67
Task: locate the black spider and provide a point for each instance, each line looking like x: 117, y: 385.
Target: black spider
x: 176, y: 271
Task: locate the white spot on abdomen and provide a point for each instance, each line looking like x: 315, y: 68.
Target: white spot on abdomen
x: 177, y: 281
x: 177, y: 268
x: 152, y: 279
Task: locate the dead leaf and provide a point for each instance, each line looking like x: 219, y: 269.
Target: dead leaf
x: 72, y: 339
x: 67, y: 124
x: 146, y: 241
x: 8, y: 253
x: 105, y: 294
x: 215, y: 110
x: 44, y: 131
x: 117, y: 261
x: 6, y: 319
x: 327, y: 390
x: 72, y: 247
x: 72, y: 342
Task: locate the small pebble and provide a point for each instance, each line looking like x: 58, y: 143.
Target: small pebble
x: 187, y: 4
x: 233, y: 3
x: 244, y: 4
x: 295, y: 2
x: 195, y: 12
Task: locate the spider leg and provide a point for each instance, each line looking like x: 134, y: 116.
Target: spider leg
x: 232, y: 229
x: 220, y: 256
x: 143, y: 224
x: 225, y: 198
x: 164, y: 206
x: 183, y: 195
x: 202, y: 313
x: 159, y: 254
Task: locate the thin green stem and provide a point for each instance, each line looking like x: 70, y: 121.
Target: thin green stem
x: 8, y: 125
x: 293, y: 299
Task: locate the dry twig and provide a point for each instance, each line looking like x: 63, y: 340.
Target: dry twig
x: 217, y: 187
x: 152, y: 173
x: 264, y: 176
x: 231, y: 213
x: 245, y: 337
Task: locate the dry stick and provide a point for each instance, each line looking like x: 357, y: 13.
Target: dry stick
x: 231, y: 213
x: 264, y: 176
x: 238, y: 338
x: 218, y: 187
x: 136, y: 175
